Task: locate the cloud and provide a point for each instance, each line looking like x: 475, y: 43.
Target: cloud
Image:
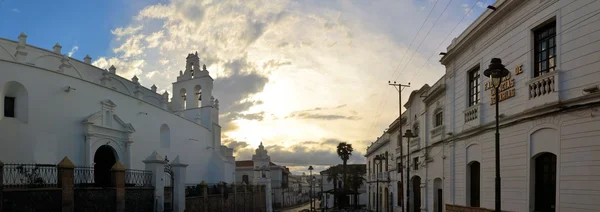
x: 322, y: 117
x: 16, y: 10
x: 273, y: 59
x: 310, y: 114
x: 73, y: 50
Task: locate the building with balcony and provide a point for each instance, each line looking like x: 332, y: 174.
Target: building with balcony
x: 548, y: 110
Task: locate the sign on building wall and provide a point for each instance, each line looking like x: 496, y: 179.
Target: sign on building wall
x: 507, y: 86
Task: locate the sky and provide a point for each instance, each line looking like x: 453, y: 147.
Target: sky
x: 298, y: 75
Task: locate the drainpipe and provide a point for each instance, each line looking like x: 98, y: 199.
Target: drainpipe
x: 426, y: 155
x: 452, y: 140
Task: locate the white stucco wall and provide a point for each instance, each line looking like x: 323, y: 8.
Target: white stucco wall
x: 54, y: 128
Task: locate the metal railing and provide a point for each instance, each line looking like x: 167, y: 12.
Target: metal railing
x: 138, y: 178
x: 83, y: 176
x: 30, y: 176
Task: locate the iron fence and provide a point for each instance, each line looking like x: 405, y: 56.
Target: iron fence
x: 83, y: 176
x: 138, y: 178
x: 30, y: 176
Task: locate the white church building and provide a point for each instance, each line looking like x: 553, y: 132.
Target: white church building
x: 54, y: 106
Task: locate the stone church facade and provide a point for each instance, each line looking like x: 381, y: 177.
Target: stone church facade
x: 55, y: 106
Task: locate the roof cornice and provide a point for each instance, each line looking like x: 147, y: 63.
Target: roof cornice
x: 480, y: 26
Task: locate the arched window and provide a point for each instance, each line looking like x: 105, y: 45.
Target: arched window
x: 165, y: 136
x: 15, y: 101
x: 245, y: 179
x: 198, y: 93
x: 183, y: 95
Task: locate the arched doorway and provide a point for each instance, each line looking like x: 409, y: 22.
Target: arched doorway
x: 473, y: 183
x: 104, y: 159
x: 438, y: 199
x: 385, y: 199
x: 416, y: 194
x: 545, y: 182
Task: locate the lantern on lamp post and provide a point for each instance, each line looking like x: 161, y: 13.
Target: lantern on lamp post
x: 496, y: 72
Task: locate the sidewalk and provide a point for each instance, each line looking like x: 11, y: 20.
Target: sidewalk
x: 299, y: 208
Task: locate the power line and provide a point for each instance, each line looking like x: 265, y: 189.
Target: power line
x: 384, y: 98
x: 447, y: 36
x: 434, y: 23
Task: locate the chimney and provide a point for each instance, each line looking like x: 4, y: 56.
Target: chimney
x: 57, y: 48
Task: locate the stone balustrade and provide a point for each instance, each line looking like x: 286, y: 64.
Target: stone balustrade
x: 543, y: 85
x: 471, y: 113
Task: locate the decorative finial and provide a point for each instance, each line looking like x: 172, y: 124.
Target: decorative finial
x: 196, y: 53
x: 57, y: 48
x: 153, y: 88
x: 217, y: 103
x: 87, y: 59
x: 134, y: 79
x: 22, y: 39
x: 112, y: 69
x: 204, y: 67
x: 180, y: 72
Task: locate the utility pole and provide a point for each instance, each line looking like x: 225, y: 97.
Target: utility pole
x: 400, y: 87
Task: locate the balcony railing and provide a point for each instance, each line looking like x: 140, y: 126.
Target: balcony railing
x: 543, y: 85
x: 471, y: 113
x: 383, y: 176
x: 439, y: 130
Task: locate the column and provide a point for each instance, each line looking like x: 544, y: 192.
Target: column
x: 179, y: 172
x: 269, y: 201
x: 117, y: 173
x: 65, y: 182
x: 156, y: 164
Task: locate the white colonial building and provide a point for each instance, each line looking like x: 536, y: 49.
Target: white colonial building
x: 55, y: 106
x: 549, y: 119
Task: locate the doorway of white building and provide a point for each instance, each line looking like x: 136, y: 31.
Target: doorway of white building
x: 104, y: 159
x: 416, y: 194
x: 545, y: 182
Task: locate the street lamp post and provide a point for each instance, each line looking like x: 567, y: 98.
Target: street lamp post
x: 408, y: 135
x: 378, y: 159
x: 496, y: 72
x: 310, y: 168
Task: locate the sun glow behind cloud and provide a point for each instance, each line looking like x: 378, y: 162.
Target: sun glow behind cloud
x: 287, y: 72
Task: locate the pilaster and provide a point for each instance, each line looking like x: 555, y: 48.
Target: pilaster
x: 179, y: 172
x: 156, y: 164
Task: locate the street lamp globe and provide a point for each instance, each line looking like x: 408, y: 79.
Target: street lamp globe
x: 496, y: 72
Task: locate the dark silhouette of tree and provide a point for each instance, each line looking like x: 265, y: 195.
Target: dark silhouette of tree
x: 344, y: 150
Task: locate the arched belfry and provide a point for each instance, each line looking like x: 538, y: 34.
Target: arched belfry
x: 262, y: 163
x: 192, y: 97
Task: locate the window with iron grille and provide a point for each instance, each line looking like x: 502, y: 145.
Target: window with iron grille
x: 416, y: 163
x: 439, y: 118
x: 474, y: 86
x: 545, y: 49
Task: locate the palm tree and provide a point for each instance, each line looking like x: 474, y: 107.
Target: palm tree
x: 344, y: 150
x: 356, y: 180
x: 333, y: 174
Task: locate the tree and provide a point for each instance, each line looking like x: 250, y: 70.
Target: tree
x: 356, y: 179
x: 333, y: 174
x: 344, y: 150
